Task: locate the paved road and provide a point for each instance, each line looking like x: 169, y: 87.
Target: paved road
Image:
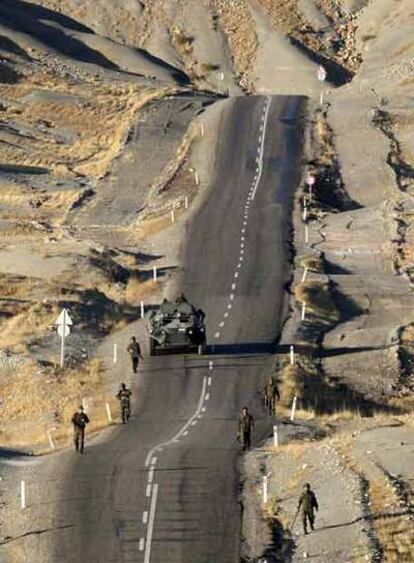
x: 165, y: 488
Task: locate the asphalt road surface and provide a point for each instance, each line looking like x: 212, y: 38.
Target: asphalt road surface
x: 165, y: 488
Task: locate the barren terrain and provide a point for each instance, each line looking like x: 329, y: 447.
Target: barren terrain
x: 108, y: 124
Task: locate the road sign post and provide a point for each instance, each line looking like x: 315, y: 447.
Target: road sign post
x: 63, y: 322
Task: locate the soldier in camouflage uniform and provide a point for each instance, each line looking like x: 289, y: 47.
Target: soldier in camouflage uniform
x: 124, y: 398
x: 307, y: 504
x: 79, y: 420
x: 246, y: 425
x: 271, y: 395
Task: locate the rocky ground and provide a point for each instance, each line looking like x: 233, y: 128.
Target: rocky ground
x: 100, y: 138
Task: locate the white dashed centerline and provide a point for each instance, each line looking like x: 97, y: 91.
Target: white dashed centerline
x: 175, y: 439
x: 150, y: 529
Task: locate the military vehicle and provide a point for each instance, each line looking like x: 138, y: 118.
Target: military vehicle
x: 176, y: 327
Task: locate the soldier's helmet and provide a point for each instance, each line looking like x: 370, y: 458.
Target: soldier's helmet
x: 307, y: 486
x: 123, y: 385
x: 81, y: 407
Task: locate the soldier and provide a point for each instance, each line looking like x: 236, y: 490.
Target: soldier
x: 124, y: 398
x: 307, y: 503
x: 134, y: 351
x: 246, y: 425
x: 79, y: 420
x: 271, y: 395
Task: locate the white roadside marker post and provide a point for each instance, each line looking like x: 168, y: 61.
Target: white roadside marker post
x: 265, y: 487
x: 275, y: 436
x: 108, y: 412
x: 186, y: 202
x: 142, y: 310
x: 50, y: 438
x: 305, y: 273
x: 310, y: 180
x: 306, y: 234
x: 292, y: 355
x: 293, y: 411
x: 115, y: 353
x: 197, y: 179
x: 172, y: 216
x: 23, y: 494
x: 202, y: 129
x: 303, y: 314
x: 305, y: 212
x: 154, y: 273
x: 321, y: 77
x: 63, y: 322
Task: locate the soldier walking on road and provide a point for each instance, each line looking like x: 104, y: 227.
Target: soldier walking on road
x: 134, y: 351
x: 124, y: 398
x: 271, y: 395
x: 79, y: 420
x: 307, y: 504
x: 246, y: 425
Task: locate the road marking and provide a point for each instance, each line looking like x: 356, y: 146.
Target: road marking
x: 148, y: 491
x: 209, y: 380
x: 153, y: 461
x: 236, y: 275
x: 221, y: 324
x: 265, y: 118
x: 203, y: 409
x: 210, y: 365
x: 161, y: 446
x: 241, y: 251
x: 185, y: 433
x: 242, y: 239
x: 141, y: 544
x: 233, y: 286
x: 206, y: 398
x: 231, y: 296
x: 229, y: 306
x: 243, y: 230
x: 150, y: 529
x: 217, y: 335
x: 145, y: 517
x: 242, y: 245
x: 194, y: 423
x: 151, y: 474
x: 226, y: 315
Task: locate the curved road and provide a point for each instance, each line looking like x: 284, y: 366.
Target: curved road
x: 166, y: 487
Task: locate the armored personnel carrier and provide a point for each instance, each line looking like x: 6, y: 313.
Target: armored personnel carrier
x: 176, y: 327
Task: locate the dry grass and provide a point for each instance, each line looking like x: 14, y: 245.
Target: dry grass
x: 181, y: 42
x: 291, y: 384
x: 313, y: 263
x: 33, y: 320
x: 100, y: 122
x: 237, y: 24
x: 137, y: 290
x: 35, y: 401
x: 318, y: 300
x: 394, y: 530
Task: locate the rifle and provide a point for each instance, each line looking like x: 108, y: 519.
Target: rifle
x: 294, y: 519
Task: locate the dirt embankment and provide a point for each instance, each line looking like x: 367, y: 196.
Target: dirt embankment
x: 95, y: 146
x: 350, y: 321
